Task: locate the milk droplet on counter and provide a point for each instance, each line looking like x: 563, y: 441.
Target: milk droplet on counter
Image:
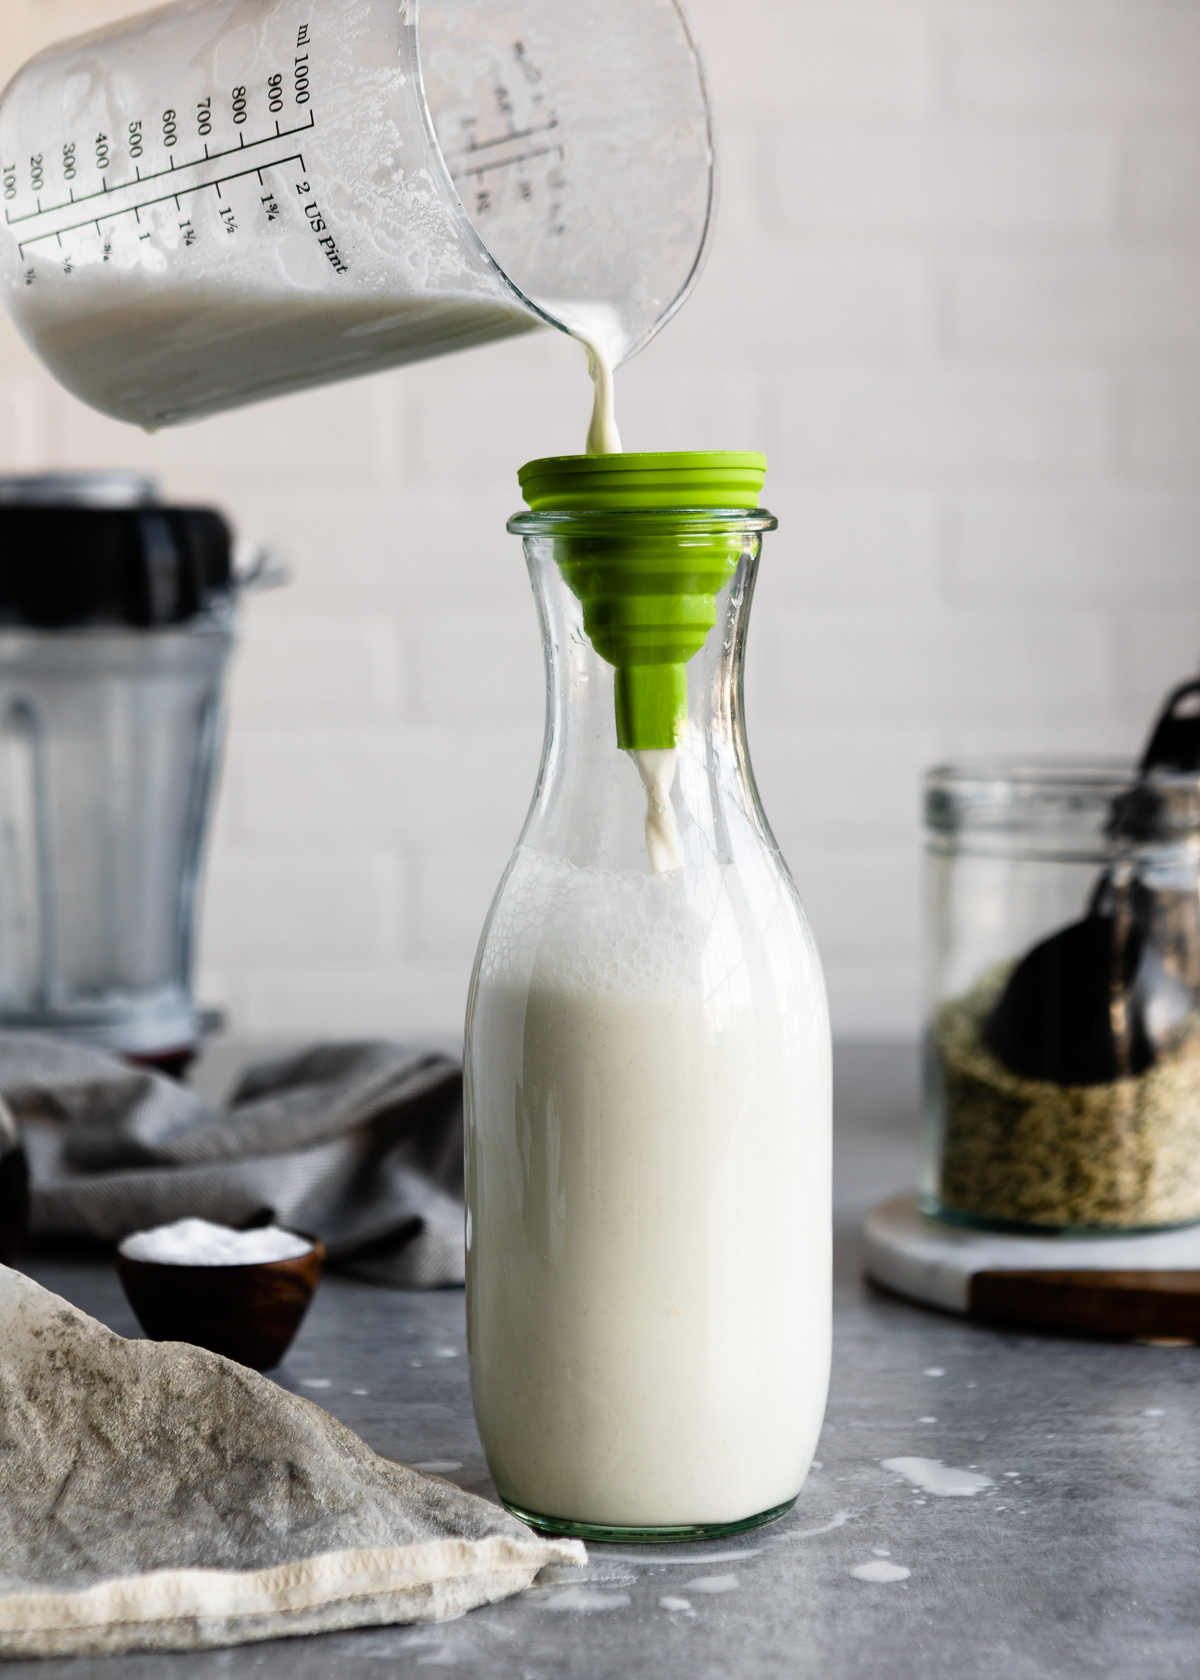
x: 882, y: 1551
x: 879, y: 1571
x: 934, y: 1371
x: 669, y: 1603
x: 583, y: 1599
x: 315, y: 1382
x: 712, y: 1584
x: 838, y: 1520
x: 654, y: 1560
x: 932, y: 1476
x: 438, y: 1466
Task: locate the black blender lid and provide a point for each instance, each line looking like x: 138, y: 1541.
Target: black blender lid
x: 94, y: 549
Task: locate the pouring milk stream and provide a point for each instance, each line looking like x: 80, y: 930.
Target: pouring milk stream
x: 597, y: 330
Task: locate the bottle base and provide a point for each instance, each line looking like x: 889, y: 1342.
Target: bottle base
x: 610, y: 1534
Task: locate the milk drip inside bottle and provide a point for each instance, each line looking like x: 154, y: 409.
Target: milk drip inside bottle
x: 648, y: 1045
x: 223, y: 200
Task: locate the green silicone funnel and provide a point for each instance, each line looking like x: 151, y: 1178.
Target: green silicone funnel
x: 648, y: 581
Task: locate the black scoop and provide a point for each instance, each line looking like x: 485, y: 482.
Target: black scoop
x: 1096, y: 1001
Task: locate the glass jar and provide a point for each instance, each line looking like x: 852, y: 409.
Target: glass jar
x: 1062, y: 1087
x: 648, y: 1085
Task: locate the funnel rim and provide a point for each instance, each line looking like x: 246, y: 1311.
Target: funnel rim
x: 656, y: 460
x: 697, y: 478
x: 611, y: 520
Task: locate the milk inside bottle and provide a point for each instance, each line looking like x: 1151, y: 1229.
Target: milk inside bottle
x: 222, y: 200
x: 648, y: 1045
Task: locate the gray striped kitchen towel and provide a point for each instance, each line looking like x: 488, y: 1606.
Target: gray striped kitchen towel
x: 358, y: 1143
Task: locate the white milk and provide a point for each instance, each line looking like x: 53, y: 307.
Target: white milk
x: 648, y: 1174
x: 598, y: 328
x: 241, y: 344
x: 658, y: 766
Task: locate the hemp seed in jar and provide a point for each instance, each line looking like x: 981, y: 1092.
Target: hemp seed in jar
x: 1062, y: 1073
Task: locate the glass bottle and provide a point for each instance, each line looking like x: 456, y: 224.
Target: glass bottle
x: 1022, y: 859
x: 648, y: 1070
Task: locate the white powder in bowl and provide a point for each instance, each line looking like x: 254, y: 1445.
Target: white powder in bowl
x: 197, y: 1242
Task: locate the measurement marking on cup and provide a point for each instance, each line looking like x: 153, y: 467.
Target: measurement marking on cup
x: 141, y: 180
x: 516, y: 134
x: 135, y: 210
x: 481, y: 169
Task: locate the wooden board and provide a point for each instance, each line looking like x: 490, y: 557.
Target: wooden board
x: 1145, y: 1285
x: 1148, y: 1305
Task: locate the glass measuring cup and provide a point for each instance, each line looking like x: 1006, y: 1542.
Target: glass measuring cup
x: 225, y: 200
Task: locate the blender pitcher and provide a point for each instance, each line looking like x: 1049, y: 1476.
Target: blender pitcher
x: 116, y: 625
x: 224, y: 200
x: 647, y: 1065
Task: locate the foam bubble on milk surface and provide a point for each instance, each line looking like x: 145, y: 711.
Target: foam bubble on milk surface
x: 198, y: 1242
x: 598, y: 931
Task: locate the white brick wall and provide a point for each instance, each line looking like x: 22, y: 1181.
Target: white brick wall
x: 955, y: 295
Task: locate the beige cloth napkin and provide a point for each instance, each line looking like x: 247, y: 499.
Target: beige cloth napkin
x: 158, y: 1497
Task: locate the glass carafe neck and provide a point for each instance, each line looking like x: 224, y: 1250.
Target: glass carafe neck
x: 644, y: 615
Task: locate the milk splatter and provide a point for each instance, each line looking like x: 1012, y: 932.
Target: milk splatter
x: 712, y: 1584
x: 932, y: 1476
x: 838, y: 1520
x: 653, y: 1560
x: 584, y: 1599
x: 880, y: 1571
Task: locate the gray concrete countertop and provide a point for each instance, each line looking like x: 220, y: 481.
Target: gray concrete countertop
x: 1080, y: 1559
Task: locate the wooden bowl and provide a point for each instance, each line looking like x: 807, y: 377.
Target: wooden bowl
x: 248, y: 1313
